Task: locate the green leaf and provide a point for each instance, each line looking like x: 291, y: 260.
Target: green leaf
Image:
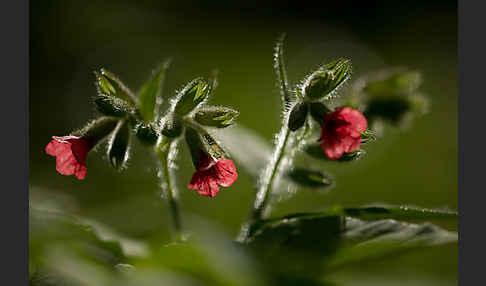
x: 193, y: 94
x: 51, y: 229
x: 216, y: 116
x: 118, y: 145
x: 112, y: 106
x: 149, y: 96
x: 297, y: 116
x: 307, y: 243
x: 326, y: 80
x: 110, y: 84
x: 367, y: 240
x: 309, y: 178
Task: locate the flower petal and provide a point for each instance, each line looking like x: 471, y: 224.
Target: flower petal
x: 225, y: 172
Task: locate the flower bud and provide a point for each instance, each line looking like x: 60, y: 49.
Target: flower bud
x: 318, y: 111
x: 118, y: 145
x: 194, y: 93
x: 216, y: 116
x: 199, y: 140
x: 321, y: 83
x: 112, y: 106
x: 172, y: 125
x: 146, y: 133
x: 109, y: 84
x: 297, y: 116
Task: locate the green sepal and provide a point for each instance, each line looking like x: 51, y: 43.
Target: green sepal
x: 97, y: 129
x: 172, y: 125
x: 146, y: 133
x: 109, y: 84
x: 216, y: 116
x: 118, y: 145
x: 297, y: 116
x: 323, y: 82
x: 318, y: 111
x: 112, y: 106
x: 198, y: 139
x: 193, y: 94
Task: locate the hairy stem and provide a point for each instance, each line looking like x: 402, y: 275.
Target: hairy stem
x: 263, y: 196
x: 165, y: 150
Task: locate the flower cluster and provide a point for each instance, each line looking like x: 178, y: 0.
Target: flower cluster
x: 122, y: 110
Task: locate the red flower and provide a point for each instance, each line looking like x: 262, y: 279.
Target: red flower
x: 70, y: 153
x: 211, y: 173
x: 341, y: 132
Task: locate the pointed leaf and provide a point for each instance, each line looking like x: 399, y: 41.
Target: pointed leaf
x: 149, y: 96
x: 118, y: 145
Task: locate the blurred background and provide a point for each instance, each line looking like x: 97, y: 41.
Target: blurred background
x: 418, y: 166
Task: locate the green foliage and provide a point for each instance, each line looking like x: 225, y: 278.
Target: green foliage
x: 326, y: 80
x: 118, y: 145
x: 216, y: 116
x: 149, y: 96
x: 315, y: 243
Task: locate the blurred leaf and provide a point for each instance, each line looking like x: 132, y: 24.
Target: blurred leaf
x: 302, y: 244
x: 112, y: 106
x: 375, y: 239
x: 149, y: 96
x: 309, y: 178
x: 216, y: 116
x: 327, y: 79
x: 392, y: 83
x: 248, y: 148
x: 298, y: 115
x: 118, y: 145
x: 48, y: 229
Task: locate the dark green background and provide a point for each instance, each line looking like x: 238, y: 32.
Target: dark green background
x: 70, y: 39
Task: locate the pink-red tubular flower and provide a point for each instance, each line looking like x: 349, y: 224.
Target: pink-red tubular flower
x: 341, y: 132
x: 70, y: 153
x: 210, y: 173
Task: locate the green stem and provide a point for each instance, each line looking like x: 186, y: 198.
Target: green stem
x: 163, y: 149
x: 263, y: 196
